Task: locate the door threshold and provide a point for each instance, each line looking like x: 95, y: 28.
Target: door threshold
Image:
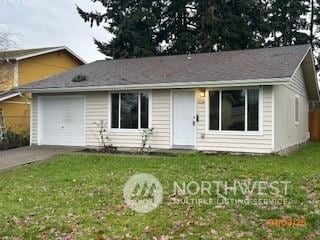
x: 183, y: 147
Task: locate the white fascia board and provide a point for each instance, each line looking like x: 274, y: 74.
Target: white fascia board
x: 8, y: 96
x: 301, y: 61
x: 314, y: 72
x: 76, y: 55
x: 234, y: 83
x: 50, y: 51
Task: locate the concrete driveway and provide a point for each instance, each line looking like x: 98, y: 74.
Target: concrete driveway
x: 25, y: 155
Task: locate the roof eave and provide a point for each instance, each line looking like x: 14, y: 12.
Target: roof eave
x: 207, y: 84
x: 50, y: 51
x: 301, y: 61
x: 8, y: 96
x: 310, y: 74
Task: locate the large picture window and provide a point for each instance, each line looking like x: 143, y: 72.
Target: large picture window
x: 234, y: 110
x: 129, y: 110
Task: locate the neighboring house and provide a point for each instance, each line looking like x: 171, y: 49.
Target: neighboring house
x: 21, y: 67
x: 254, y: 101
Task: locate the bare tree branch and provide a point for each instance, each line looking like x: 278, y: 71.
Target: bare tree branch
x: 6, y: 39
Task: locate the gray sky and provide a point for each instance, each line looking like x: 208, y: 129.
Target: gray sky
x: 45, y: 23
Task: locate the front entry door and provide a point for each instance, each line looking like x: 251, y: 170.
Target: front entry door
x: 184, y: 118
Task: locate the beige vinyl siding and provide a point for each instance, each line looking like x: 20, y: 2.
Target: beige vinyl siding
x: 161, y: 119
x: 240, y: 142
x: 97, y: 109
x: 297, y: 83
x: 287, y: 133
x: 34, y: 120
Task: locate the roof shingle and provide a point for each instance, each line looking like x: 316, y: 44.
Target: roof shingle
x: 265, y: 63
x: 12, y: 54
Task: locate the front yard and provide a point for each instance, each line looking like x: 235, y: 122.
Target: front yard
x: 80, y: 196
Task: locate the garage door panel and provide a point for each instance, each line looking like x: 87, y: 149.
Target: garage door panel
x: 62, y: 120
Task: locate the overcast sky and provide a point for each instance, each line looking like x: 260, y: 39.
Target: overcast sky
x: 42, y: 23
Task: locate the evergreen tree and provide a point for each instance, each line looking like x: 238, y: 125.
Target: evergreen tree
x: 188, y: 26
x: 231, y: 24
x: 314, y: 33
x: 177, y: 28
x: 285, y: 19
x: 132, y: 23
x: 314, y: 24
x: 207, y: 23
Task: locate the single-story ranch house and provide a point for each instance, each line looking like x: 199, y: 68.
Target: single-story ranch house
x: 254, y: 101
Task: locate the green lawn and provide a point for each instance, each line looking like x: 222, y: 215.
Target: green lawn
x: 79, y: 196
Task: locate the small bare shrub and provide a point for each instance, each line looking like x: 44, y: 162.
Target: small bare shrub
x: 104, y: 139
x: 146, y: 134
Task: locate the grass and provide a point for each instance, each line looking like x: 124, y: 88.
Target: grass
x: 79, y: 196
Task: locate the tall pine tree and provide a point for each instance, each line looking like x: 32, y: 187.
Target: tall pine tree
x: 132, y: 23
x: 177, y: 27
x: 231, y: 24
x: 285, y: 20
x: 188, y: 26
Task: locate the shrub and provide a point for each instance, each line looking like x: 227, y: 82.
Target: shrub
x: 14, y: 140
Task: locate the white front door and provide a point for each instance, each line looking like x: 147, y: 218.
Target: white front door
x: 62, y: 120
x: 184, y: 118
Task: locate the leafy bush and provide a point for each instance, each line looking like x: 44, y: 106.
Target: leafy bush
x: 14, y: 140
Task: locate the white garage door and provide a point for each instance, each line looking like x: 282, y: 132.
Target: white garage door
x: 62, y: 120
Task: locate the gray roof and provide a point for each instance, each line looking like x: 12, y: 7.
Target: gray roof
x: 12, y: 54
x: 265, y: 63
x: 20, y: 54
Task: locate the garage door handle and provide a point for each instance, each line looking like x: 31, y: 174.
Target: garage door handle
x: 62, y: 127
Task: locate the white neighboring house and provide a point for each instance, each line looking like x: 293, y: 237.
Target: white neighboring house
x: 254, y: 101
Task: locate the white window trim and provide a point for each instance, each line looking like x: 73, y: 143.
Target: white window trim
x: 296, y: 97
x: 139, y: 117
x: 228, y: 132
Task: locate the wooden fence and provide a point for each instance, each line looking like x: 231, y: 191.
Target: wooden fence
x: 314, y: 125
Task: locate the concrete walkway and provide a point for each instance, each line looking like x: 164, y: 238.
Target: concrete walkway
x: 25, y: 155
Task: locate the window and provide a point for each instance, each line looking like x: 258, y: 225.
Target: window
x: 253, y: 109
x: 296, y: 110
x: 144, y: 110
x: 115, y: 111
x: 129, y: 110
x: 234, y: 110
x: 214, y: 102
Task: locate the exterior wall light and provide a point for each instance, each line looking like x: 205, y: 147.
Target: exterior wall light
x: 202, y: 93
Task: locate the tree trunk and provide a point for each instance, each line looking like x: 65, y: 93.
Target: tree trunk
x: 311, y: 22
